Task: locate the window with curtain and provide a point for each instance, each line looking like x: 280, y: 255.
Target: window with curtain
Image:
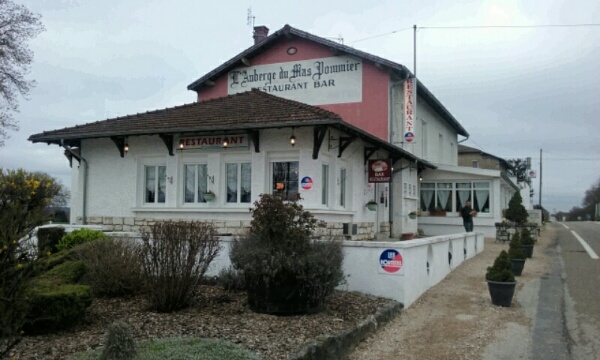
x: 195, y: 183
x: 325, y: 184
x: 238, y: 181
x: 285, y: 179
x: 444, y: 198
x: 463, y: 194
x: 155, y: 177
x: 481, y: 191
x: 427, y: 196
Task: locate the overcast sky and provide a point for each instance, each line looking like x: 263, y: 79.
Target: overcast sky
x: 515, y: 90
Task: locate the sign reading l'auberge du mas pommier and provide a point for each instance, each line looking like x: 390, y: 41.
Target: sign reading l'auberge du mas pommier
x: 332, y: 80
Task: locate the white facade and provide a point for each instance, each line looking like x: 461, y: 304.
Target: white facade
x: 435, y: 140
x: 499, y: 192
x: 115, y: 193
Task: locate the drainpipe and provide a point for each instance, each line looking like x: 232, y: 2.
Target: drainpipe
x: 85, y: 175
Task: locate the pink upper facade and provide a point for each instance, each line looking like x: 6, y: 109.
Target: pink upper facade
x: 370, y: 113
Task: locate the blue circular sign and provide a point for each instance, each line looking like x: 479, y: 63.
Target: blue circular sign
x: 390, y: 261
x: 306, y: 183
x: 409, y: 136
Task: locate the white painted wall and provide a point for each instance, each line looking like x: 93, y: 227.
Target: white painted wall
x: 429, y: 148
x: 364, y: 274
x: 116, y: 185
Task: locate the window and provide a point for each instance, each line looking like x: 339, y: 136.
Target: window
x: 475, y: 163
x: 285, y: 179
x: 454, y: 196
x: 481, y: 190
x: 325, y: 185
x: 343, y: 187
x: 196, y: 184
x: 436, y: 195
x: 156, y: 184
x: 463, y: 194
x: 441, y: 148
x: 239, y: 182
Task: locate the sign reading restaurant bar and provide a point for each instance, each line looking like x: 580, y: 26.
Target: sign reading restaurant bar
x: 380, y: 171
x: 213, y: 142
x: 332, y: 80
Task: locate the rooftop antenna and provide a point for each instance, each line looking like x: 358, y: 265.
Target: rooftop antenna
x: 250, y: 19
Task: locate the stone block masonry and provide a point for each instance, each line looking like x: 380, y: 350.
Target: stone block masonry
x: 329, y: 230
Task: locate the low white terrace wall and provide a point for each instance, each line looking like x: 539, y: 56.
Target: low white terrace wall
x: 421, y: 264
x: 399, y: 270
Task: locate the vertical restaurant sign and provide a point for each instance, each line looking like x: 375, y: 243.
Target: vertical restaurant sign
x: 332, y: 80
x: 410, y: 109
x: 380, y: 171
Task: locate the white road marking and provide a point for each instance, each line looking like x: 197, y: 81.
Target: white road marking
x: 585, y: 245
x: 566, y: 227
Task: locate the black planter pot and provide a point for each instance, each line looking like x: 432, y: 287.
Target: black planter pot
x: 501, y: 292
x: 528, y: 250
x: 517, y: 266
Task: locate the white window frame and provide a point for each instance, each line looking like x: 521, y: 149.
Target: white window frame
x: 343, y: 193
x: 325, y: 184
x: 238, y: 164
x: 282, y: 160
x: 181, y: 189
x: 142, y: 165
x: 454, y: 197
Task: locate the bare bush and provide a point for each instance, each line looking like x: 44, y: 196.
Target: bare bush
x: 114, y: 266
x: 175, y: 256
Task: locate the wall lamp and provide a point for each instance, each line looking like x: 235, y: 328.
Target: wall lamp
x: 225, y: 143
x: 126, y: 147
x: 292, y: 138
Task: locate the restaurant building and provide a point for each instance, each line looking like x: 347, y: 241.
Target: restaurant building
x: 293, y: 114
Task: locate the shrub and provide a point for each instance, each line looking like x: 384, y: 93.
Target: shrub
x: 526, y: 238
x: 80, y: 236
x: 55, y: 300
x: 231, y: 279
x: 285, y: 271
x: 120, y: 344
x: 113, y: 265
x: 48, y: 239
x: 175, y: 256
x: 516, y: 212
x: 515, y: 251
x: 501, y: 270
x: 183, y: 348
x: 23, y: 198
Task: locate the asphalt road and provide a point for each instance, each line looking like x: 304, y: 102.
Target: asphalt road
x: 578, y: 246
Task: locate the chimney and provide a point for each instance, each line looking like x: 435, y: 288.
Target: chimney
x: 260, y: 33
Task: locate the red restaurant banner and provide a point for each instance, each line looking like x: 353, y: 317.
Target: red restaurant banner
x: 380, y: 171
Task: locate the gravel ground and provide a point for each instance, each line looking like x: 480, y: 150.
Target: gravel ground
x: 456, y: 319
x: 217, y: 314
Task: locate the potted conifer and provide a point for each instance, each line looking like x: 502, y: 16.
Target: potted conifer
x: 501, y: 281
x: 516, y: 254
x: 527, y: 242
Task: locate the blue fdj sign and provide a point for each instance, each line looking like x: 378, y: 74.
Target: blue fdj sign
x: 390, y: 261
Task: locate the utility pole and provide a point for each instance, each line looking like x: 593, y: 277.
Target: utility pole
x: 540, y: 178
x: 415, y: 50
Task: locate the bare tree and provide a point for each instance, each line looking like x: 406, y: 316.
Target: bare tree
x: 17, y: 26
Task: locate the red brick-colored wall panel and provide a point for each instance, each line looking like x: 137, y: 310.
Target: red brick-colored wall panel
x: 370, y: 115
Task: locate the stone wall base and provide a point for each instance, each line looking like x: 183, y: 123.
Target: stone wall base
x: 325, y: 230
